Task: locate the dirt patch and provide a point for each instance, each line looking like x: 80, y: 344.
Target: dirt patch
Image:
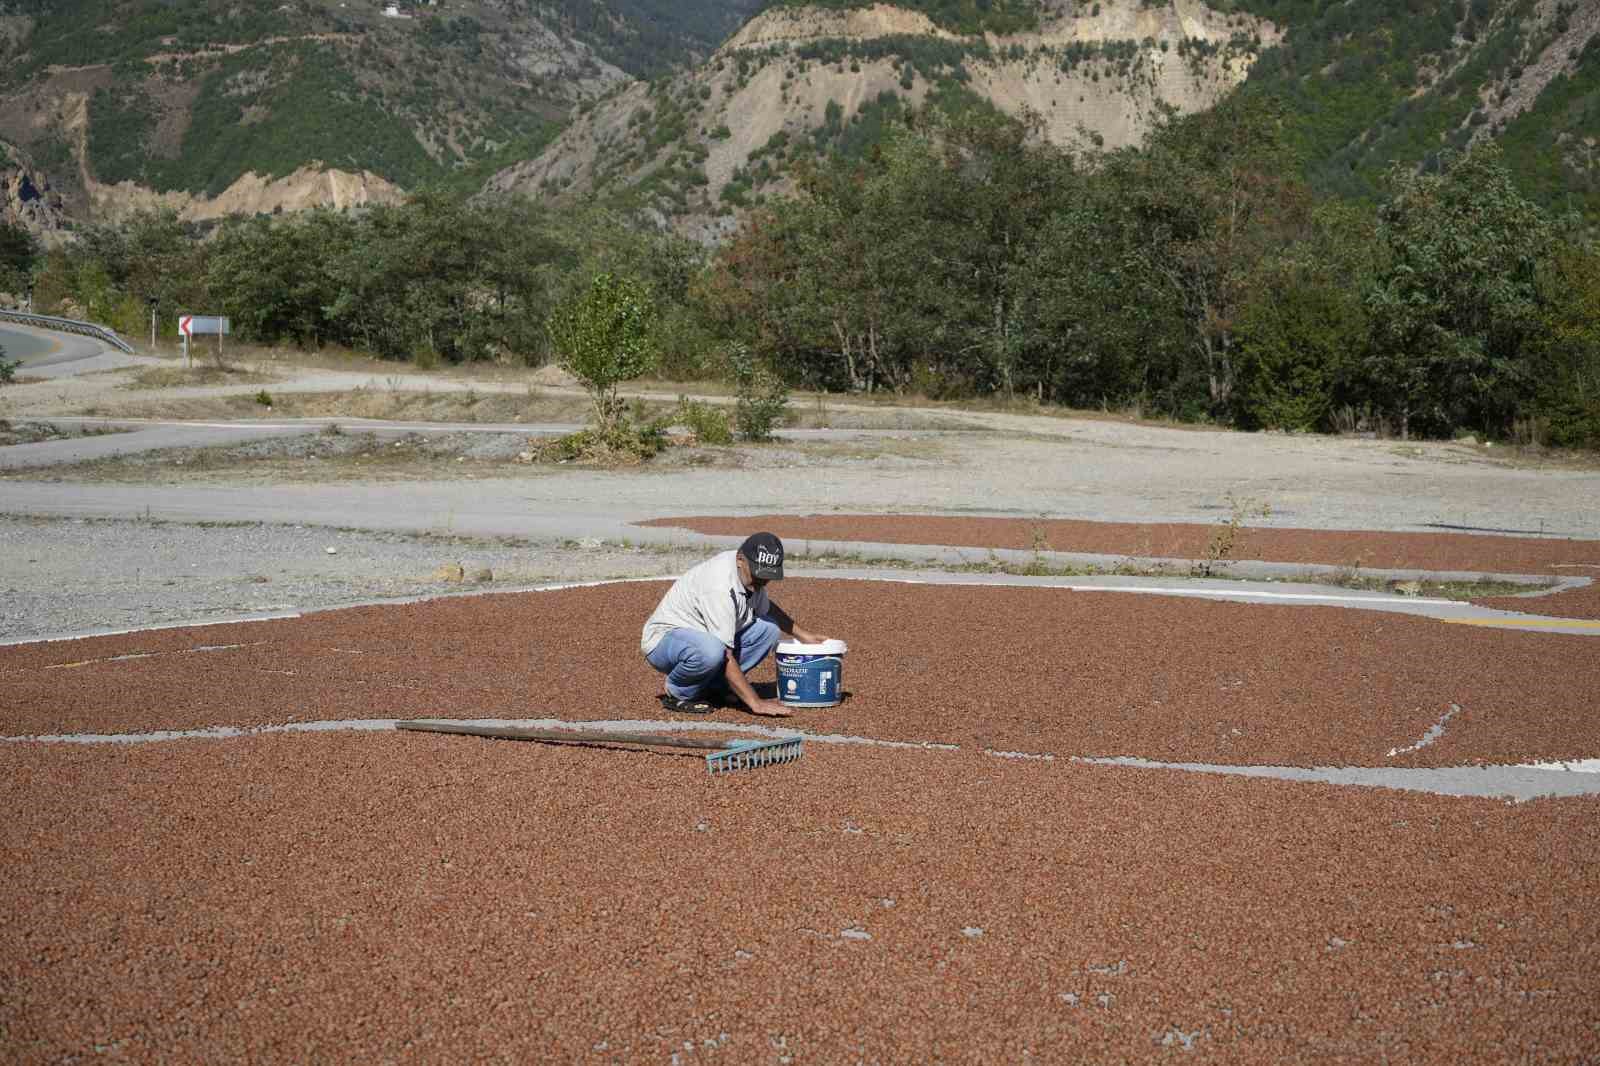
x: 336, y: 453
x: 396, y: 404
x: 330, y: 455
x: 38, y: 432
x: 553, y: 376
x: 494, y: 403
x: 170, y: 377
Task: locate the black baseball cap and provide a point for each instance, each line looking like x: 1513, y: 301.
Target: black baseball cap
x: 764, y: 553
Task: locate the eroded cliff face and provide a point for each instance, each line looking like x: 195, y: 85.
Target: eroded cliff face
x: 302, y: 190
x: 793, y: 25
x: 1093, y: 73
x: 28, y: 198
x: 47, y: 204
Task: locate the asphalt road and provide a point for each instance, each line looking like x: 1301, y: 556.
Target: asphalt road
x: 46, y: 354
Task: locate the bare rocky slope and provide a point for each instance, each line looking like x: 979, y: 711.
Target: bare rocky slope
x: 309, y: 186
x: 26, y: 196
x: 247, y: 110
x: 1096, y: 72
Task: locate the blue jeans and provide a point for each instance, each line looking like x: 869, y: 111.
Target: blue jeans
x: 693, y: 661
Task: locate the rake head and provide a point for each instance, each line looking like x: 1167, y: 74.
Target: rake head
x: 752, y: 754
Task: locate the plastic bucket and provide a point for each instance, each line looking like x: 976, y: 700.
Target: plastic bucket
x: 811, y: 675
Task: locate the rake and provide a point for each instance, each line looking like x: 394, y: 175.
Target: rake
x: 724, y: 756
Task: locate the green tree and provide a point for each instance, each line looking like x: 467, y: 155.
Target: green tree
x: 762, y: 395
x: 599, y: 241
x: 1458, y: 298
x: 407, y: 284
x: 602, y: 337
x: 1292, y: 337
x: 517, y: 278
x: 274, y: 276
x: 19, y: 254
x: 1564, y: 355
x: 1108, y: 333
x: 1215, y: 195
x: 985, y: 186
x: 113, y: 270
x: 1303, y: 329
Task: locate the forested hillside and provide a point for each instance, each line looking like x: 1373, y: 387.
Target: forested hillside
x: 1368, y: 83
x: 648, y: 38
x: 965, y: 17
x: 190, y: 95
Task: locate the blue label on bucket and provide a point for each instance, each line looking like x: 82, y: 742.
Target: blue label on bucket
x: 810, y: 680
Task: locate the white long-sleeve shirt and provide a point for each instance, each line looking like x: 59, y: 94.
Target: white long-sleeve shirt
x: 709, y: 598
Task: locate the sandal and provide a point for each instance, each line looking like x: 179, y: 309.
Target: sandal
x: 682, y: 706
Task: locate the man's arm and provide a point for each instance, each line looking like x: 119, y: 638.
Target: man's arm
x: 780, y: 618
x: 745, y: 691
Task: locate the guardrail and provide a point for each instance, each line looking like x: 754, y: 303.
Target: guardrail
x: 67, y: 325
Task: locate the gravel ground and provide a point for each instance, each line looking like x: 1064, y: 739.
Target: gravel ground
x: 72, y: 575
x: 418, y: 898
x: 1091, y: 674
x: 114, y: 573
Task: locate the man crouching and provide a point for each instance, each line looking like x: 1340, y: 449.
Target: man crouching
x: 716, y: 624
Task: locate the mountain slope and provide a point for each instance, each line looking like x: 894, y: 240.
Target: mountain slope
x: 120, y: 100
x: 1373, y: 82
x: 797, y: 81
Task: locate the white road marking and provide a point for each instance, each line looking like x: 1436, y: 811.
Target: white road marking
x: 269, y: 617
x: 1577, y: 777
x: 1434, y: 732
x: 154, y: 654
x: 1228, y: 593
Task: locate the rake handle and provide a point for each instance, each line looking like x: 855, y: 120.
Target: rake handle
x: 561, y: 736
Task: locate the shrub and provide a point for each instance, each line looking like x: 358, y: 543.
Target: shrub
x: 762, y: 395
x: 709, y: 424
x: 626, y: 443
x: 8, y: 368
x: 1295, y: 334
x: 603, y: 338
x: 1565, y: 355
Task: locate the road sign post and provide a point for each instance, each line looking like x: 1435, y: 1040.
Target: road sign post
x: 189, y: 325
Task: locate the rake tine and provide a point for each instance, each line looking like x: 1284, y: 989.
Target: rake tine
x: 753, y: 754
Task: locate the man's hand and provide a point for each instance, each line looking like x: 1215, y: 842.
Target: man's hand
x: 806, y: 636
x: 741, y: 687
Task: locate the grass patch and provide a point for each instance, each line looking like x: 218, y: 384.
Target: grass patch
x: 1538, y: 457
x: 177, y: 377
x: 396, y: 400
x: 340, y: 452
x: 39, y: 432
x: 313, y: 458
x: 1439, y: 590
x: 1040, y: 566
x: 386, y: 403
x: 867, y: 449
